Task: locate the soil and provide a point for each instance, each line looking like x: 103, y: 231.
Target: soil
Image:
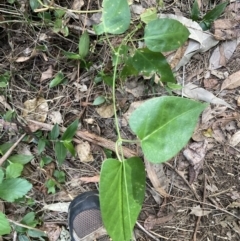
x: 28, y: 47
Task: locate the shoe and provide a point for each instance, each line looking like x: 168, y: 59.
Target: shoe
x: 84, y: 218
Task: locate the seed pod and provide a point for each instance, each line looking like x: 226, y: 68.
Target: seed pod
x: 83, y: 46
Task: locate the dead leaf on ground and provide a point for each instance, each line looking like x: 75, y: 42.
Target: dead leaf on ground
x: 90, y: 179
x: 226, y: 29
x: 222, y: 54
x: 57, y: 207
x: 56, y: 117
x: 233, y: 10
x: 105, y: 111
x: 77, y: 4
x: 84, y: 152
x: 47, y: 74
x: 35, y: 109
x: 232, y: 82
x: 153, y: 221
x: 81, y: 87
x: 197, y: 93
x: 199, y: 212
x: 235, y: 139
x: 25, y: 58
x: 195, y: 154
x: 53, y: 231
x: 157, y: 177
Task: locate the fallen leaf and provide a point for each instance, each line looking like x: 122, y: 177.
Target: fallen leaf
x: 57, y: 207
x: 77, y: 4
x: 81, y: 87
x: 235, y: 139
x: 195, y: 154
x: 35, y: 109
x: 84, y: 152
x: 105, y: 111
x: 232, y: 82
x: 56, y: 117
x: 47, y: 74
x: 194, y: 92
x: 153, y: 221
x: 234, y: 205
x: 25, y: 58
x: 90, y: 179
x: 222, y: 54
x: 137, y: 91
x: 53, y: 231
x: 157, y: 177
x: 199, y: 212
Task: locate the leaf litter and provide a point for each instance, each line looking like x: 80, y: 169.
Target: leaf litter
x: 221, y: 167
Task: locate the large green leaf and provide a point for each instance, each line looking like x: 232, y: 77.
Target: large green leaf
x: 148, y: 62
x: 11, y: 189
x: 4, y: 225
x: 165, y: 34
x: 115, y: 17
x: 14, y: 170
x: 122, y: 188
x: 20, y: 158
x: 165, y: 125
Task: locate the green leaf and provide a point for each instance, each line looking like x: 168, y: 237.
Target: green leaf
x: 41, y: 145
x: 165, y: 34
x: 148, y: 63
x: 149, y: 15
x: 122, y: 188
x: 4, y: 225
x: 4, y: 79
x: 58, y: 13
x: 50, y: 184
x: 121, y: 52
x: 99, y: 100
x: 195, y: 13
x: 128, y: 69
x: 70, y: 131
x: 60, y: 176
x: 11, y: 189
x: 61, y: 152
x: 164, y: 125
x: 34, y: 4
x: 20, y: 158
x: 213, y: 15
x: 70, y: 147
x: 71, y: 55
x: 115, y: 17
x: 14, y: 170
x: 45, y: 160
x: 29, y: 219
x: 83, y: 46
x: 1, y: 175
x: 57, y: 80
x: 54, y: 132
x: 5, y: 147
x: 36, y: 234
x: 174, y: 86
x: 22, y: 237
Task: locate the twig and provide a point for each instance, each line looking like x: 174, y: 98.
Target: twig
x: 8, y: 153
x: 183, y: 178
x: 95, y: 139
x: 199, y: 218
x: 145, y: 231
x: 25, y: 226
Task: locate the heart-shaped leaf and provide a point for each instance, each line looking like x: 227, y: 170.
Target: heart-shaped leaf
x: 115, y: 17
x: 149, y: 62
x: 165, y: 34
x: 122, y: 188
x: 165, y: 125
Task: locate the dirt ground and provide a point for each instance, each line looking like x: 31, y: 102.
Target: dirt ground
x: 199, y: 201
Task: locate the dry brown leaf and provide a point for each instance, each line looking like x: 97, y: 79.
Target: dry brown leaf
x: 105, y: 111
x: 35, y: 109
x: 84, y: 152
x: 152, y: 221
x: 90, y: 179
x: 57, y: 207
x: 232, y: 82
x: 56, y: 117
x: 195, y: 154
x: 53, y: 231
x: 235, y: 139
x: 25, y: 58
x: 157, y: 177
x: 199, y: 212
x: 77, y: 4
x: 47, y: 74
x: 226, y: 29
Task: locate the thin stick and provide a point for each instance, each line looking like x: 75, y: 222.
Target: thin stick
x: 145, y: 231
x: 95, y: 139
x: 8, y: 153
